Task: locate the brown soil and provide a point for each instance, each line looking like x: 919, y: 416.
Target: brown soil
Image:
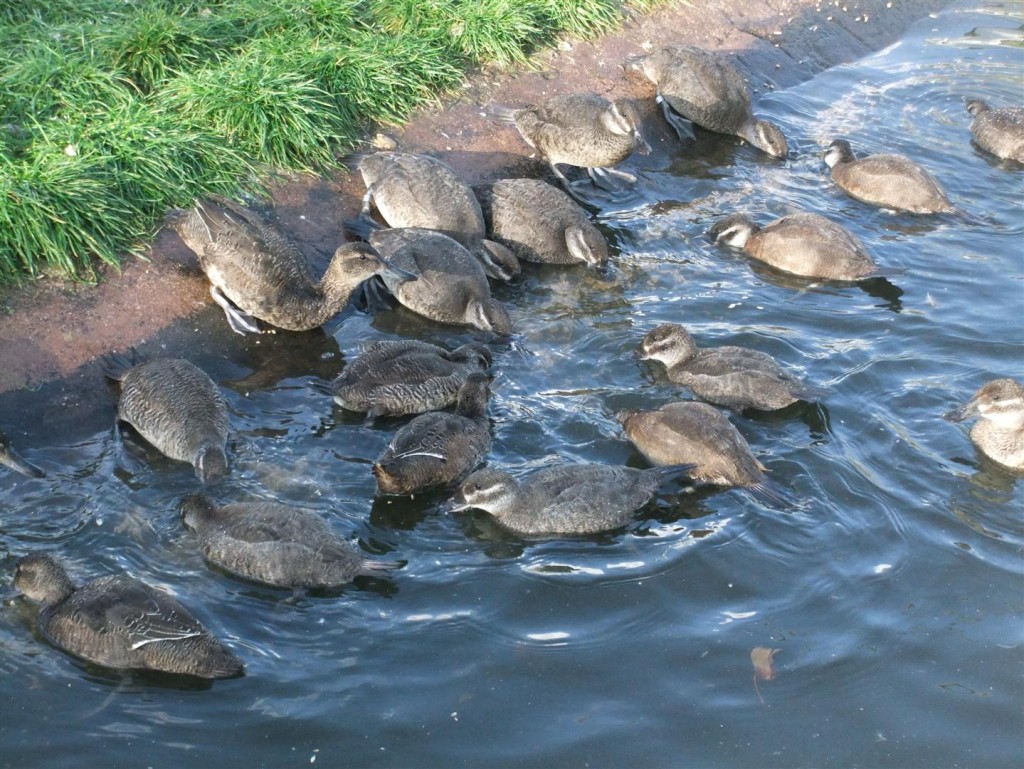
x: 51, y: 334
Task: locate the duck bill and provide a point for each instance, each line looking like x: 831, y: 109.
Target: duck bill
x: 966, y: 411
x: 641, y: 143
x: 455, y: 506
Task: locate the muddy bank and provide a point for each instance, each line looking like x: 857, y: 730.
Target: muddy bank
x: 51, y: 334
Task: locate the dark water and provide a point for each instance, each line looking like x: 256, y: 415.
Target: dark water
x: 894, y: 594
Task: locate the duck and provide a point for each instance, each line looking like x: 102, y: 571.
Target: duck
x: 275, y: 544
x: 734, y: 377
x: 564, y: 499
x: 801, y: 243
x: 889, y: 181
x: 686, y: 432
x: 584, y: 130
x: 12, y: 459
x: 999, y: 433
x: 999, y: 131
x: 451, y: 286
x: 695, y: 85
x: 438, y: 448
x: 255, y: 272
x: 121, y: 623
x: 398, y: 377
x: 411, y: 190
x: 540, y: 223
x: 176, y: 407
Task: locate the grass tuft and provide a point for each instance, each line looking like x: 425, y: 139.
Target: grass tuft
x: 152, y: 46
x: 383, y: 78
x: 271, y: 112
x: 581, y: 18
x: 477, y: 31
x: 56, y: 211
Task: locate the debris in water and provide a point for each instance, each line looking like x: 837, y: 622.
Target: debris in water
x: 764, y: 666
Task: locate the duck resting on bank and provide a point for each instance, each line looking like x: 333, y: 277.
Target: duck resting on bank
x: 583, y: 130
x: 695, y: 85
x: 256, y: 272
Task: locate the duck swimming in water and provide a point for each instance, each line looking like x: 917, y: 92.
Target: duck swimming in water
x: 889, y: 181
x: 450, y: 286
x: 412, y: 190
x: 696, y: 433
x: 13, y: 460
x: 801, y: 243
x: 121, y: 623
x: 564, y: 499
x: 393, y: 378
x: 274, y: 544
x: 734, y: 377
x: 542, y: 224
x: 438, y: 448
x: 999, y: 433
x: 999, y: 131
x: 583, y: 130
x: 256, y: 272
x: 175, y: 406
x: 700, y: 86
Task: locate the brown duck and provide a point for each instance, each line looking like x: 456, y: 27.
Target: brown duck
x: 411, y: 190
x: 121, y: 623
x: 256, y: 272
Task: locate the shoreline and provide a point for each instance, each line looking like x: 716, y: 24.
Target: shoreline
x: 52, y: 333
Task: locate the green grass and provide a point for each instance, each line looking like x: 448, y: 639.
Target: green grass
x: 111, y: 112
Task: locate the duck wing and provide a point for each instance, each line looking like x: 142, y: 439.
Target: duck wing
x: 436, y: 434
x: 703, y: 87
x: 418, y: 191
x: 278, y: 523
x: 721, y: 361
x: 108, y: 619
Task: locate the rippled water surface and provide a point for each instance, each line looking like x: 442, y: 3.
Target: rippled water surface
x: 894, y: 593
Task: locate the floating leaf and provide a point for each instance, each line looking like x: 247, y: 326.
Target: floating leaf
x: 764, y: 666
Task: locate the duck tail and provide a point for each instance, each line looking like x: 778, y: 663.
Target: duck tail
x: 114, y: 365
x: 672, y: 472
x: 502, y: 114
x: 888, y: 272
x: 772, y: 495
x: 373, y: 568
x: 811, y: 393
x: 965, y: 216
x: 361, y: 227
x: 175, y: 217
x: 352, y: 160
x: 223, y: 663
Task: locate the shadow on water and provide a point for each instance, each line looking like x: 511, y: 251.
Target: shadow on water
x: 814, y: 415
x: 406, y: 513
x: 983, y: 500
x: 273, y: 358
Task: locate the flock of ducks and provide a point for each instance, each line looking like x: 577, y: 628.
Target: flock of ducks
x: 441, y: 247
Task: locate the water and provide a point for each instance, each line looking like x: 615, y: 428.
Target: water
x: 893, y: 594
